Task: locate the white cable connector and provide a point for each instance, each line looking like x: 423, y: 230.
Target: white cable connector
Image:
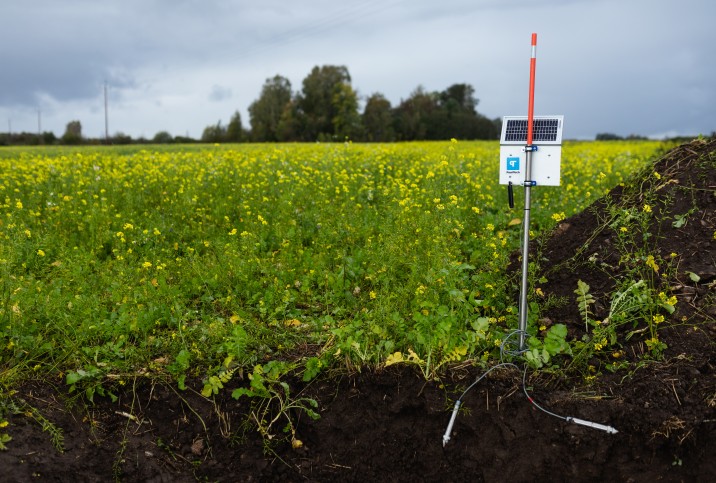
x: 446, y: 436
x: 590, y: 424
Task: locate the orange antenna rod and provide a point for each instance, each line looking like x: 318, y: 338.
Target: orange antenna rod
x: 531, y: 107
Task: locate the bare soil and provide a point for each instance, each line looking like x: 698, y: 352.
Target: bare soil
x: 387, y: 425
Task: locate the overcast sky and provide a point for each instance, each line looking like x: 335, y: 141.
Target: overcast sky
x: 624, y: 66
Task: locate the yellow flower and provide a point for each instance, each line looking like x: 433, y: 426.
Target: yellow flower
x: 18, y: 204
x: 651, y: 263
x: 558, y: 216
x: 373, y: 295
x: 147, y: 264
x: 658, y: 318
x: 233, y: 232
x: 40, y: 253
x: 647, y: 208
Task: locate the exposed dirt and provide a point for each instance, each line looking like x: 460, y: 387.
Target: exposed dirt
x: 388, y: 425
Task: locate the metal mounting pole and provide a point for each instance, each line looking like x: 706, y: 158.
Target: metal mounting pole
x: 525, y: 249
x: 528, y: 183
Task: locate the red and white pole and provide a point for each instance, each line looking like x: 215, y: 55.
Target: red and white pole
x: 531, y: 106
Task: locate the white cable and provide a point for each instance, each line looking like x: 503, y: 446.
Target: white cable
x: 569, y: 419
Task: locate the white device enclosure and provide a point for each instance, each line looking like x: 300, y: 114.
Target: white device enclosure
x: 546, y: 160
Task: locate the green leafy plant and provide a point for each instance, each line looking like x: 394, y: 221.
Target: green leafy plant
x: 541, y: 351
x: 584, y: 300
x: 214, y: 383
x: 91, y: 379
x: 272, y: 402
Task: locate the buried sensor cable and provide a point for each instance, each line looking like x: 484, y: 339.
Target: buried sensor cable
x: 569, y: 419
x: 448, y: 430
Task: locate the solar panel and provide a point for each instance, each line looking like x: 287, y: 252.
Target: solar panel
x: 545, y: 130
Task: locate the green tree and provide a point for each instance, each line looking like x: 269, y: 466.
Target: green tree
x: 413, y: 115
x: 235, y: 131
x: 378, y: 119
x: 73, y: 133
x: 608, y: 136
x: 459, y: 98
x: 162, y: 137
x: 346, y: 120
x: 214, y: 134
x: 327, y: 101
x: 121, y: 138
x: 291, y: 122
x: 266, y: 112
x: 443, y: 115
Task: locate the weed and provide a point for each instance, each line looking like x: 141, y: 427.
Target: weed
x: 272, y: 401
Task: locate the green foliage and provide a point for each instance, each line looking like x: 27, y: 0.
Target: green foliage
x: 73, y: 133
x: 4, y: 438
x: 272, y: 402
x: 91, y: 379
x: 584, y: 300
x: 377, y: 119
x: 266, y: 111
x: 214, y: 383
x: 541, y: 352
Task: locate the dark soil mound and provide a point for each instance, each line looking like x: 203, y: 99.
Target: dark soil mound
x: 388, y: 425
x: 583, y: 247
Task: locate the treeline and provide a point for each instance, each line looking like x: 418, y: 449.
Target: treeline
x: 326, y: 108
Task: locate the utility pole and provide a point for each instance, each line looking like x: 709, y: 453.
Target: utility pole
x: 39, y: 126
x: 106, y: 116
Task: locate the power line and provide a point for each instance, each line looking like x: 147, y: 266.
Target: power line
x: 330, y: 22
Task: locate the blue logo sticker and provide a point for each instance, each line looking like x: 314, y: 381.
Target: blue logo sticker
x: 513, y: 164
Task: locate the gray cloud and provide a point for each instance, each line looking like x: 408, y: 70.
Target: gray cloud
x: 219, y: 93
x: 622, y: 66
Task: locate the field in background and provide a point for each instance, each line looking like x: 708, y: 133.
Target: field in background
x: 198, y: 261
